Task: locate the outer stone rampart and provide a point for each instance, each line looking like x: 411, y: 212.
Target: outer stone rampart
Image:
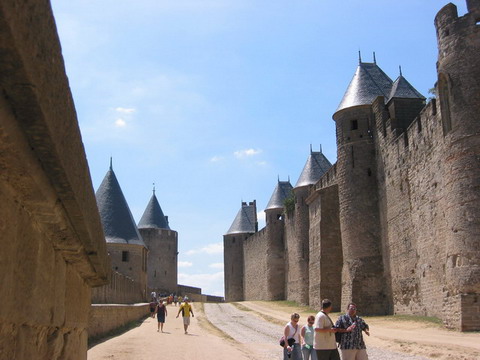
x: 53, y: 249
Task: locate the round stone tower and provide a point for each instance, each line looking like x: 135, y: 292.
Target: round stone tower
x: 162, y: 242
x: 458, y: 90
x: 363, y: 279
x: 244, y: 225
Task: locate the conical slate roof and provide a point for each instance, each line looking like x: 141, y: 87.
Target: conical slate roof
x: 245, y: 221
x: 153, y: 216
x: 281, y: 192
x: 368, y: 82
x: 401, y: 88
x: 117, y: 220
x: 317, y: 165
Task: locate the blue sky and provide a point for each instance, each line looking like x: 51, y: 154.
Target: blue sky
x: 212, y: 100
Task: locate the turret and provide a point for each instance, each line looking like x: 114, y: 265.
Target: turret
x: 458, y: 90
x: 125, y: 245
x: 162, y: 243
x: 274, y: 235
x: 298, y: 224
x: 244, y: 225
x: 363, y: 273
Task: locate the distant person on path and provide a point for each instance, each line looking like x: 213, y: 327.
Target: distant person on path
x: 153, y: 295
x: 161, y: 311
x: 186, y: 309
x: 352, y: 345
x: 324, y: 339
x: 175, y: 299
x: 292, y: 331
x: 153, y: 305
x: 308, y: 333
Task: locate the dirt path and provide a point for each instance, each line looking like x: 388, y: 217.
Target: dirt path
x: 408, y: 337
x: 250, y: 330
x: 145, y: 343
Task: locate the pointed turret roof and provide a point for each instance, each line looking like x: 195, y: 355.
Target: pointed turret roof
x: 368, y: 82
x: 153, y: 216
x: 401, y: 88
x: 281, y: 192
x: 245, y: 221
x: 117, y: 220
x: 317, y: 165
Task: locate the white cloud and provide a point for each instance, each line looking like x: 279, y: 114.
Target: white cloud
x: 120, y: 123
x: 240, y: 154
x: 261, y: 163
x: 124, y: 110
x: 184, y: 264
x: 216, y: 248
x: 216, y: 266
x: 216, y: 158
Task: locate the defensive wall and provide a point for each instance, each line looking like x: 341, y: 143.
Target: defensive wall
x: 53, y: 248
x: 104, y: 318
x: 120, y: 290
x: 394, y: 224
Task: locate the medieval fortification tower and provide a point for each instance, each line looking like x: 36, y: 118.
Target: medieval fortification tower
x: 162, y: 243
x: 393, y: 225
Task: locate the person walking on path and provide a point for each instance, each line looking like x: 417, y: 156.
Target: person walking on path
x: 186, y: 309
x: 292, y: 331
x: 152, y: 305
x: 161, y: 311
x: 308, y: 333
x: 324, y: 339
x: 352, y: 345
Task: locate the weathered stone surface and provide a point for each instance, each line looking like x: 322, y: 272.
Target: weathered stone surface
x: 106, y: 317
x: 52, y: 242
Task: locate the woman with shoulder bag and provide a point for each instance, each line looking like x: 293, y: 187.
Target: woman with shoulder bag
x: 308, y: 333
x: 292, y: 349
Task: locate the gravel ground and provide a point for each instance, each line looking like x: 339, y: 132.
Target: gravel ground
x: 262, y: 337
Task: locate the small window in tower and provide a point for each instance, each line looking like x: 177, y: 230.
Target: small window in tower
x: 125, y: 256
x: 165, y: 273
x: 155, y: 274
x: 354, y: 125
x: 233, y: 241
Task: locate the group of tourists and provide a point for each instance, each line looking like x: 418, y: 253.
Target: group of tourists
x: 158, y: 307
x: 317, y: 340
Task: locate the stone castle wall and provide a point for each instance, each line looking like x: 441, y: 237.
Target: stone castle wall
x: 326, y: 258
x: 162, y: 259
x: 53, y: 248
x: 234, y: 264
x: 400, y: 209
x: 104, y: 318
x: 119, y: 290
x: 131, y: 261
x: 256, y: 266
x: 297, y: 248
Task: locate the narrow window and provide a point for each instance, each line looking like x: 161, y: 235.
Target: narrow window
x: 155, y: 274
x: 354, y: 125
x: 369, y: 172
x: 125, y: 256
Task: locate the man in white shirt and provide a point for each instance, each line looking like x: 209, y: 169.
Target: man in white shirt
x: 324, y: 340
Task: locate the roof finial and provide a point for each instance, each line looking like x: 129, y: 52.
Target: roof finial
x: 278, y: 177
x: 320, y: 148
x: 288, y: 178
x: 400, y: 68
x: 359, y: 57
x: 374, y: 58
x: 311, y: 148
x: 111, y: 166
x: 153, y: 188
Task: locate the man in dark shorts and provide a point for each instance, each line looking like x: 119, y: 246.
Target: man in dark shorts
x: 153, y: 305
x: 161, y: 311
